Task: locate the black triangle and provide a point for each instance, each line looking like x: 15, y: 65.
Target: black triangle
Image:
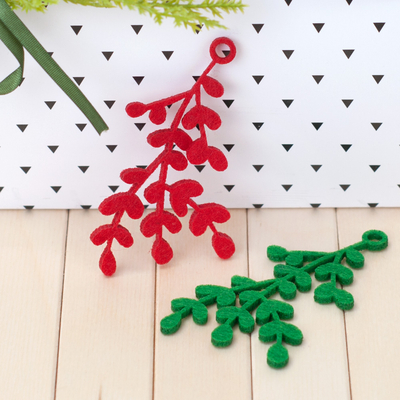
x: 198, y: 28
x: 315, y: 205
x: 28, y: 207
x: 21, y: 81
x: 141, y: 166
x: 228, y: 103
x: 113, y: 188
x: 258, y: 27
x: 318, y: 27
x: 257, y: 205
x: 349, y: 1
x: 137, y: 28
x: 346, y: 147
x: 258, y: 125
x: 287, y: 187
x: 25, y: 169
x: 376, y: 125
x: 317, y: 125
x: 111, y: 147
x: 1, y: 188
x: 378, y: 78
x: 226, y: 52
x: 229, y: 187
x: 167, y: 54
x: 348, y: 52
x: 228, y: 147
x: 373, y: 205
x: 78, y: 79
x: 56, y: 188
x: 107, y: 54
x: 76, y: 28
x: 145, y: 206
x: 195, y: 77
x: 288, y: 2
x: 199, y: 167
x: 109, y: 103
x: 374, y: 167
x: 86, y: 207
x: 318, y: 78
x: 288, y: 53
x: 288, y: 102
x: 53, y: 148
x: 287, y: 147
x: 344, y: 187
x: 22, y: 127
x: 379, y: 25
x: 258, y: 78
x: 316, y: 167
x: 138, y: 79
x: 50, y: 104
x: 140, y: 125
x: 347, y: 102
x: 81, y: 127
x: 258, y: 167
x: 50, y: 53
x: 83, y: 168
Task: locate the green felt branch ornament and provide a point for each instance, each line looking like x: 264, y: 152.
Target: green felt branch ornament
x: 292, y: 276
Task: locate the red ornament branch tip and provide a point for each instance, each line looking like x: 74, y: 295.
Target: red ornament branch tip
x: 182, y: 192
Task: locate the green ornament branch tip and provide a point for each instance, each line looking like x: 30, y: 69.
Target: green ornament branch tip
x: 271, y: 314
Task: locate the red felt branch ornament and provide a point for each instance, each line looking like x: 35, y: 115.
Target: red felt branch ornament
x: 180, y: 193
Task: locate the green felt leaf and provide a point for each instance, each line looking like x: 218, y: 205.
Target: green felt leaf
x: 328, y: 293
x: 187, y: 306
x: 354, y: 258
x: 301, y: 278
x: 223, y: 296
x: 291, y: 334
x: 171, y: 323
x: 287, y: 289
x: 266, y: 310
x: 343, y: 274
x: 251, y: 298
x: 295, y: 259
x: 277, y: 356
x: 237, y: 280
x: 236, y: 314
x: 375, y: 240
x: 276, y: 253
x: 222, y: 336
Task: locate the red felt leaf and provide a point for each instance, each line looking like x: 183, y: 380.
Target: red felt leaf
x: 153, y: 223
x: 134, y: 206
x: 123, y: 236
x: 223, y: 245
x: 198, y: 152
x: 217, y: 159
x: 205, y: 216
x: 155, y: 192
x: 122, y: 202
x: 135, y: 109
x: 203, y: 116
x: 181, y: 192
x: 212, y: 86
x: 101, y: 234
x: 182, y: 139
x: 171, y: 222
x: 107, y: 262
x: 160, y: 137
x: 161, y: 251
x: 158, y: 114
x: 176, y: 160
x: 134, y: 176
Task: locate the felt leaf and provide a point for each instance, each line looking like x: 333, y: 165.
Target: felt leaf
x: 107, y: 262
x: 182, y: 139
x: 101, y: 234
x: 158, y: 114
x: 161, y: 251
x: 222, y: 336
x: 301, y: 278
x: 123, y: 236
x: 181, y: 192
x: 354, y: 258
x: 328, y: 293
x: 128, y: 202
x: 133, y: 176
x: 205, y: 215
x: 212, y: 86
x: 223, y: 245
x: 199, y: 310
x: 237, y: 280
x: 291, y: 334
x: 153, y: 223
x: 136, y: 109
x: 171, y: 323
x: 160, y: 137
x: 267, y: 309
x: 134, y: 206
x: 287, y: 289
x: 201, y: 115
x: 217, y: 159
x: 295, y: 258
x: 231, y: 315
x: 277, y: 356
x: 154, y: 193
x: 176, y: 160
x: 251, y: 299
x: 223, y: 296
x: 343, y: 274
x: 375, y: 240
x: 198, y: 152
x: 277, y: 253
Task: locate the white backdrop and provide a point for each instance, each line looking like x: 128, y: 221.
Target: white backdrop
x: 313, y: 118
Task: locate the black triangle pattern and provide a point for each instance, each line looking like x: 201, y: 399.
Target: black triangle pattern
x: 199, y: 167
x: 288, y: 102
x: 50, y: 104
x: 317, y: 125
x: 287, y: 187
x: 78, y: 79
x: 258, y: 167
x: 318, y: 27
x: 137, y: 28
x: 373, y: 205
x: 349, y: 2
x: 53, y: 148
x: 344, y: 187
x: 346, y: 147
x: 81, y: 127
x: 347, y: 102
x: 228, y: 103
x: 138, y: 79
x: 258, y: 78
x: 29, y: 207
x: 141, y: 166
x: 315, y: 205
x: 25, y: 169
x: 288, y: 53
x: 167, y: 54
x: 288, y: 2
x: 374, y: 167
x: 113, y: 188
x: 86, y: 207
x: 316, y: 167
x: 22, y: 127
x: 140, y: 125
x: 257, y: 205
x: 83, y: 168
x: 258, y: 125
x: 318, y: 78
x: 378, y: 78
x: 228, y: 147
x: 376, y: 125
x: 111, y: 147
x: 76, y: 28
x: 109, y: 103
x: 229, y: 187
x: 56, y: 188
x: 258, y: 27
x: 287, y: 147
x: 379, y: 25
x: 107, y: 54
x: 1, y: 188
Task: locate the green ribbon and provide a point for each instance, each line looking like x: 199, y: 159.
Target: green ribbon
x: 16, y: 36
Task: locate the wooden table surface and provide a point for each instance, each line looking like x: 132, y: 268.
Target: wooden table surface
x: 70, y: 333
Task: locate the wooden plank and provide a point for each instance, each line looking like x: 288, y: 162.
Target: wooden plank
x: 373, y: 325
x: 317, y: 368
x: 106, y: 343
x: 187, y: 365
x: 31, y: 263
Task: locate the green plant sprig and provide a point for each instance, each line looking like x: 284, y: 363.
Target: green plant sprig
x: 290, y: 277
x: 184, y: 12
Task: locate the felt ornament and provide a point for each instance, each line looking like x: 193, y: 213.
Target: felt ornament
x: 271, y: 314
x: 178, y: 149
